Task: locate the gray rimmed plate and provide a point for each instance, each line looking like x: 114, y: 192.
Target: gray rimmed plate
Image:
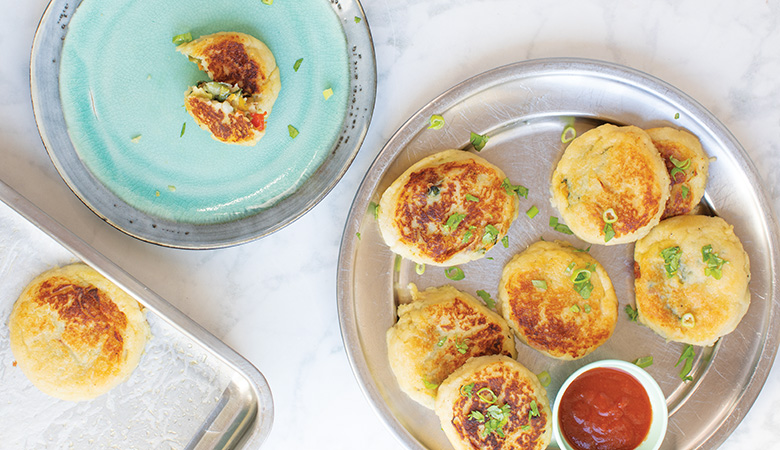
x: 108, y: 88
x: 523, y: 108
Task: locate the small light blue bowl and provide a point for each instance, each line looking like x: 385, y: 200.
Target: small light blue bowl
x: 657, y: 402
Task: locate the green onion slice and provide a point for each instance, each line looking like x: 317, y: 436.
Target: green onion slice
x: 183, y: 127
x: 671, y: 257
x: 429, y: 384
x: 453, y: 221
x: 568, y: 134
x: 397, y: 265
x: 609, y: 232
x: 686, y: 358
x: 534, y: 409
x: 471, y: 198
x: 586, y: 307
x: 454, y: 273
x: 713, y: 261
x: 297, y: 64
x: 441, y: 341
x: 182, y: 38
x: 486, y: 298
x: 436, y: 122
x: 293, y: 131
x: 609, y: 216
x: 327, y: 93
x: 631, y: 312
x: 357, y: 19
x: 574, y: 308
x: 544, y: 378
x: 539, y: 284
x: 687, y: 320
x: 505, y: 241
x: 580, y: 276
x: 532, y: 212
x: 645, y: 361
x: 510, y: 188
x: 487, y: 395
x: 373, y: 208
x: 478, y: 141
x: 685, y: 191
x: 491, y: 234
x: 419, y: 268
x: 466, y: 389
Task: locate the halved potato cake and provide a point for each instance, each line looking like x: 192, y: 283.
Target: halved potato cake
x: 436, y: 333
x: 447, y: 209
x: 494, y: 402
x: 611, y: 185
x: 691, y: 279
x: 558, y: 299
x: 244, y: 85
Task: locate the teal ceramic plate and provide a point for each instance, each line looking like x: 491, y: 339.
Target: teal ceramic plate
x: 108, y: 89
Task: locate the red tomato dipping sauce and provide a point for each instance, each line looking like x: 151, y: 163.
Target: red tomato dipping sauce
x: 605, y: 409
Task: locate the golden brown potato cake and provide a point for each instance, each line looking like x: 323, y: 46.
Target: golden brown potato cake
x: 611, y: 185
x: 687, y: 165
x: 75, y: 335
x: 245, y: 83
x: 691, y: 279
x: 559, y: 300
x: 447, y: 209
x: 436, y: 333
x: 494, y: 402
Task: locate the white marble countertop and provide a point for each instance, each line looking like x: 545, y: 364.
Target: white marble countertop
x: 723, y: 53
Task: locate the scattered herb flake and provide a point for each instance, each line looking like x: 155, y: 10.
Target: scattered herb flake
x: 183, y: 127
x: 478, y: 141
x: 182, y: 38
x: 685, y: 191
x: 671, y: 256
x: 419, y: 268
x: 505, y: 241
x: 532, y: 212
x: 609, y: 232
x: 327, y: 93
x: 486, y: 298
x: 563, y: 228
x: 293, y: 131
x: 373, y: 208
x: 544, y: 378
x: 453, y: 221
x: 676, y: 115
x: 430, y: 384
x: 539, y: 284
x: 714, y: 262
x: 462, y: 346
x: 568, y: 134
x: 510, y: 188
x: 297, y: 64
x: 687, y: 359
x: 645, y: 361
x: 441, y: 341
x: 135, y: 139
x: 358, y: 235
x: 397, y: 264
x: 471, y: 198
x: 454, y: 273
x: 631, y: 312
x: 491, y: 234
x: 357, y: 19
x: 466, y: 389
x: 436, y: 122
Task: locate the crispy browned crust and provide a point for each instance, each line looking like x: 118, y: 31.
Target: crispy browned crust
x: 437, y: 333
x: 419, y: 219
x: 544, y: 319
x: 228, y: 61
x: 611, y: 167
x: 234, y: 128
x: 513, y: 385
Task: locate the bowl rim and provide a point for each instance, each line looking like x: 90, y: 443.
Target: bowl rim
x: 660, y: 417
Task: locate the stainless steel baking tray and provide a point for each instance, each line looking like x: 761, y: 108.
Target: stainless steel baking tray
x: 524, y: 107
x: 190, y: 390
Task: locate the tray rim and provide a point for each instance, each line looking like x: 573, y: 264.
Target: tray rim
x: 159, y: 231
x: 261, y: 412
x: 408, y: 130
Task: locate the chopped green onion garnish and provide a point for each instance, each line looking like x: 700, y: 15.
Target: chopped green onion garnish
x: 453, y: 221
x: 609, y: 216
x: 570, y: 267
x: 487, y: 395
x: 714, y: 262
x: 476, y: 415
x: 491, y: 234
x: 685, y: 191
x: 471, y: 198
x: 172, y: 188
x: 632, y: 313
x: 358, y: 235
x: 586, y: 308
x: 676, y: 115
x: 505, y: 241
x: 327, y: 93
x: 486, y: 298
x: 534, y: 410
x: 687, y: 320
x: 268, y: 2
x: 569, y: 133
x: 468, y: 234
x: 183, y: 127
x: 671, y: 256
x: 135, y: 139
x: 462, y: 346
x: 553, y: 221
x: 466, y: 389
x: 684, y: 164
x: 562, y: 228
x: 575, y: 308
x: 510, y: 188
x: 687, y: 359
x: 182, y: 38
x: 645, y: 361
x: 544, y: 378
x: 373, y: 208
x: 297, y: 64
x: 532, y: 212
x: 293, y: 131
x: 397, y: 265
x: 609, y: 232
x: 436, y: 122
x: 454, y: 273
x: 540, y: 284
x: 357, y: 19
x: 441, y: 341
x: 430, y: 384
x: 478, y: 141
x: 419, y: 268
x: 580, y: 276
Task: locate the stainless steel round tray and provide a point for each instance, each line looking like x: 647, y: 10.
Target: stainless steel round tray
x: 261, y: 219
x: 523, y: 107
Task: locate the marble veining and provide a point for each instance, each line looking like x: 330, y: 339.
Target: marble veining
x: 274, y: 300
